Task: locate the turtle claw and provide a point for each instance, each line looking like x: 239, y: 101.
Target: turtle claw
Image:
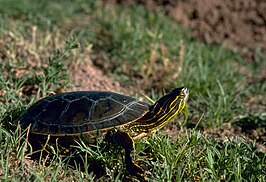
x: 136, y: 171
x: 133, y: 168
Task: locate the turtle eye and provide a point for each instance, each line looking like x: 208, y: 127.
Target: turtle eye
x: 181, y: 96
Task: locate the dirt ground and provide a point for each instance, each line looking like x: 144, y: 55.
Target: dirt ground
x: 240, y: 24
x: 85, y: 76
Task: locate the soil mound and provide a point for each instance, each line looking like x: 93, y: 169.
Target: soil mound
x: 239, y: 24
x: 85, y: 76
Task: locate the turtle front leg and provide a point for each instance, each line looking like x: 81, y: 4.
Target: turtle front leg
x: 124, y: 140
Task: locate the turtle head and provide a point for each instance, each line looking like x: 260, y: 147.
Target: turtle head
x: 166, y: 108
x: 174, y: 102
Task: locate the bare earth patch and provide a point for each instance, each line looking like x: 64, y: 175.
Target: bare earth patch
x: 239, y: 24
x: 85, y: 76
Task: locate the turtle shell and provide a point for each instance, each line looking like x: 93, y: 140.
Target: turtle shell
x: 82, y: 112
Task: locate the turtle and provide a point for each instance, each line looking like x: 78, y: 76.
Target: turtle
x: 119, y: 119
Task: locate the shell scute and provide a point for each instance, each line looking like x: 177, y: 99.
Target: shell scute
x: 78, y: 110
x: 105, y: 109
x: 52, y: 112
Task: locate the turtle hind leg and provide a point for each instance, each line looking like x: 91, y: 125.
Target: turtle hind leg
x: 124, y: 140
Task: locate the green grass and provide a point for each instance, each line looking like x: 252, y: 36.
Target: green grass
x: 140, y: 49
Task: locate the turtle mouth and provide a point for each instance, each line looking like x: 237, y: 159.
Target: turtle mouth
x: 185, y: 91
